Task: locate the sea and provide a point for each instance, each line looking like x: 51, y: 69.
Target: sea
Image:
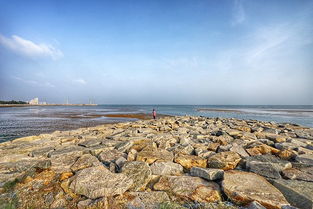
x: 18, y: 122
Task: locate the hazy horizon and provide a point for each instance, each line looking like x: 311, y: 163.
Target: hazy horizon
x: 232, y: 52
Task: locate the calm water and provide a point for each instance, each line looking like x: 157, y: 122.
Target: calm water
x: 25, y: 121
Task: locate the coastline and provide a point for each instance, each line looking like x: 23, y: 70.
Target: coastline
x: 266, y: 110
x: 152, y: 161
x: 36, y: 105
x: 91, y: 121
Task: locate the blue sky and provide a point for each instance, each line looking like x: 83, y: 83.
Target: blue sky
x: 157, y: 52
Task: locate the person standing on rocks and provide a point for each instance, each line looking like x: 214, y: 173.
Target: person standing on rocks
x: 154, y: 114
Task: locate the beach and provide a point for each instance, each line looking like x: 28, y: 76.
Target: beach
x: 16, y: 122
x: 181, y: 161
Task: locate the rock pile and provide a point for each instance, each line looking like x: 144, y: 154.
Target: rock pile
x: 173, y: 162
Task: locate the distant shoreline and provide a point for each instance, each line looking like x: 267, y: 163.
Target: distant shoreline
x: 30, y: 105
x: 267, y: 110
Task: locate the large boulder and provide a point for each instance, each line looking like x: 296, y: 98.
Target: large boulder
x: 111, y: 156
x: 157, y: 155
x: 298, y: 193
x: 267, y: 170
x: 95, y: 182
x: 224, y: 160
x: 166, y: 168
x: 189, y: 161
x: 302, y: 174
x: 85, y: 161
x: 245, y: 187
x: 139, y: 172
x: 188, y: 188
x: 277, y: 163
x: 305, y: 158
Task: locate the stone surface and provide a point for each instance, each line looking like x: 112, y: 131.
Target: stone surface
x: 298, y: 174
x: 189, y: 188
x: 166, y: 168
x: 207, y: 173
x: 189, y: 161
x: 139, y: 172
x: 254, y: 205
x: 262, y: 150
x: 245, y: 187
x: 151, y: 156
x: 305, y: 158
x: 110, y: 156
x: 224, y: 160
x: 145, y: 200
x: 277, y: 163
x: 95, y: 182
x: 85, y: 161
x: 239, y: 150
x: 298, y: 193
x: 264, y: 169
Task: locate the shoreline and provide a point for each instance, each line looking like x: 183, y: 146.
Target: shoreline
x: 31, y: 105
x: 260, y: 110
x: 123, y: 117
x: 149, y: 162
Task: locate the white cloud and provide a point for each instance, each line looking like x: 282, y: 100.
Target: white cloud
x: 239, y: 14
x: 29, y: 48
x: 34, y: 83
x: 80, y: 81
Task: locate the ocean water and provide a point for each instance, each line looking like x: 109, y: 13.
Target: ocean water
x: 25, y: 121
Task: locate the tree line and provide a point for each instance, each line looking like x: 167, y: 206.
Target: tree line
x: 13, y: 102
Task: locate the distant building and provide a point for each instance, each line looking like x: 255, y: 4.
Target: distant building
x: 34, y: 101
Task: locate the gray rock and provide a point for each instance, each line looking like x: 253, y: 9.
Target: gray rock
x: 277, y: 163
x: 166, y: 168
x: 146, y: 200
x: 184, y: 141
x: 224, y: 148
x: 41, y: 152
x: 288, y: 207
x: 267, y: 142
x: 239, y: 150
x: 95, y: 182
x: 302, y: 174
x: 96, y: 150
x: 120, y: 162
x: 204, y: 153
x: 305, y: 158
x: 268, y: 170
x: 124, y: 146
x: 298, y: 193
x: 182, y: 149
x: 207, y: 173
x: 84, y: 204
x: 90, y: 143
x: 254, y: 205
x: 139, y: 172
x: 85, y: 161
x: 63, y: 163
x: 69, y: 150
x: 110, y: 156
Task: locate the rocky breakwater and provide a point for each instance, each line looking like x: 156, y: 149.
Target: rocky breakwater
x: 173, y: 162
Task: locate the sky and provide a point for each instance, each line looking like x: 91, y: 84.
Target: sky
x: 157, y: 51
